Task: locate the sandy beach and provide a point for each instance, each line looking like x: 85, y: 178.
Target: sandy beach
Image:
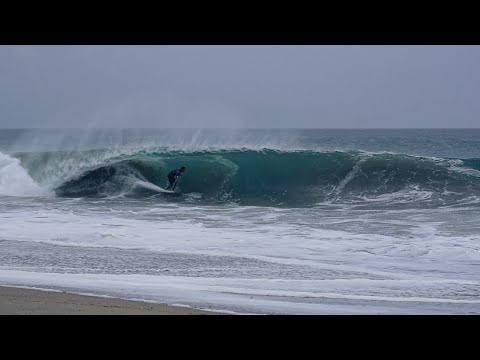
x: 19, y: 301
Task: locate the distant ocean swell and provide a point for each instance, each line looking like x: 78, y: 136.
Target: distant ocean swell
x: 247, y: 177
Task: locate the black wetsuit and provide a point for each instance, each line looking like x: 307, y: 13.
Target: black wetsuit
x: 173, y: 176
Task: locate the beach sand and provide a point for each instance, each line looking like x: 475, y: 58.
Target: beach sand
x: 19, y: 301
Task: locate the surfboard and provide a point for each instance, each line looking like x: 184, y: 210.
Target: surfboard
x: 150, y: 186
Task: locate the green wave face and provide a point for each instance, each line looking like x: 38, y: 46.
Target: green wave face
x: 261, y: 177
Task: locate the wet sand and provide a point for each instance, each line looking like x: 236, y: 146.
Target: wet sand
x: 19, y: 301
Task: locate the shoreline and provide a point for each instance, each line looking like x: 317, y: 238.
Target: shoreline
x: 29, y: 301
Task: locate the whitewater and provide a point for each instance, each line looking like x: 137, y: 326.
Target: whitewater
x: 265, y: 221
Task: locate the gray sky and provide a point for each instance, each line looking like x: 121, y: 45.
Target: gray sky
x: 240, y: 86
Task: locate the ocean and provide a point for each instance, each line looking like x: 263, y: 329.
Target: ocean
x: 265, y: 221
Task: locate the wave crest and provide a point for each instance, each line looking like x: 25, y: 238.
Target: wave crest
x: 262, y: 177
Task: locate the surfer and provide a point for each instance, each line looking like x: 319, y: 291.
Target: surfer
x: 173, y: 177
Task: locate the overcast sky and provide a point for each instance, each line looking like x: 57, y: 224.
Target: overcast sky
x: 240, y: 86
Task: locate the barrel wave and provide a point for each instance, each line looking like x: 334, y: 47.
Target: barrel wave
x: 262, y: 177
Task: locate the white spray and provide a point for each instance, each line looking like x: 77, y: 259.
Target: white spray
x: 15, y: 181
